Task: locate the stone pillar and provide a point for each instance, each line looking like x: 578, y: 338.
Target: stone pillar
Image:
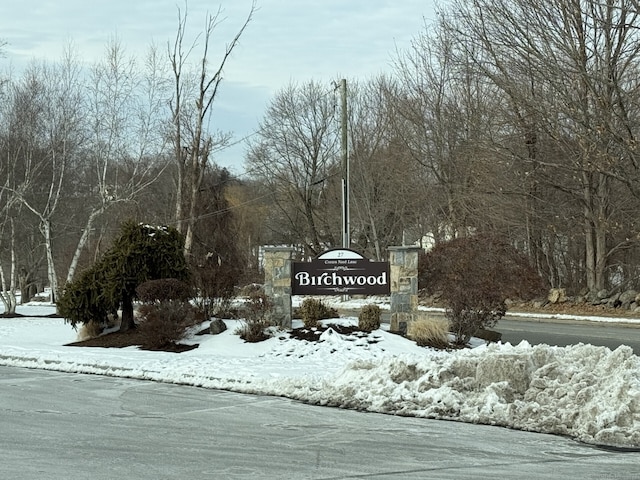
x: 277, y: 283
x: 403, y: 263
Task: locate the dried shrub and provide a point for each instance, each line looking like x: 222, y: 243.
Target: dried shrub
x: 250, y: 289
x: 369, y: 318
x: 313, y: 310
x: 429, y: 332
x: 89, y: 330
x: 215, y: 284
x: 474, y: 276
x: 163, y: 290
x: 256, y: 311
x: 167, y: 322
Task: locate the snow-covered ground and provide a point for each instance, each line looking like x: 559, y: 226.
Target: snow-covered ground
x: 587, y: 392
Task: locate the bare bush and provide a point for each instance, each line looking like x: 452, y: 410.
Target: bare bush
x: 166, y: 322
x: 475, y: 275
x: 164, y: 289
x: 256, y: 313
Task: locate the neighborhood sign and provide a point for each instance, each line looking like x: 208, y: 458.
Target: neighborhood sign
x: 340, y: 271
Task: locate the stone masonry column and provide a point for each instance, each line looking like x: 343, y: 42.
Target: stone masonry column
x: 277, y: 283
x: 403, y: 263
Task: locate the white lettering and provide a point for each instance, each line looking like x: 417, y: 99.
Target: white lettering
x: 349, y: 280
x: 336, y: 279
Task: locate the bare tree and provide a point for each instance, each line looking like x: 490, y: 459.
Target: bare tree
x: 445, y: 115
x: 295, y: 153
x: 581, y: 56
x: 46, y: 115
x: 191, y: 107
x: 7, y: 240
x: 384, y: 179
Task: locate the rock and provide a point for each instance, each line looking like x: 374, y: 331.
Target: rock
x: 217, y: 326
x: 614, y: 301
x: 557, y: 295
x: 488, y: 335
x: 539, y: 303
x: 627, y: 298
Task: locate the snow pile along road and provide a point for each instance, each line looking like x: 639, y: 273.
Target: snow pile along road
x: 586, y: 392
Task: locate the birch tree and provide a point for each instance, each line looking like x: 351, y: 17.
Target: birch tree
x: 46, y: 117
x: 7, y: 238
x: 125, y: 149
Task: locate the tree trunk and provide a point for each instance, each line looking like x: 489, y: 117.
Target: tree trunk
x: 589, y: 242
x: 84, y: 238
x: 51, y: 268
x: 127, y: 322
x: 8, y: 291
x: 600, y: 233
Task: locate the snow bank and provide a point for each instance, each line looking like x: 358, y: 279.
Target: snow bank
x: 587, y: 392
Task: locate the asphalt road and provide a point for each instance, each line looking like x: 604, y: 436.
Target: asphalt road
x: 61, y: 426
x: 562, y: 333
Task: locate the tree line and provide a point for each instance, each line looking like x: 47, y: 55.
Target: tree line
x: 510, y: 117
x: 84, y: 148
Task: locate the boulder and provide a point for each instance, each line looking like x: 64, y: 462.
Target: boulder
x: 557, y: 295
x: 613, y: 301
x: 217, y: 326
x: 627, y: 298
x: 488, y: 335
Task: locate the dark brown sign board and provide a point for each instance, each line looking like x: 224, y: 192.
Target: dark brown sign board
x: 340, y: 271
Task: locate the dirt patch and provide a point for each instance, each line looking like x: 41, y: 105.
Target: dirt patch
x: 132, y: 338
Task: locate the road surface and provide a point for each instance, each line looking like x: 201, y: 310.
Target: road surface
x: 61, y: 426
x: 562, y: 333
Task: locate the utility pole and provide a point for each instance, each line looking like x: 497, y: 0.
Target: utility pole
x: 346, y: 240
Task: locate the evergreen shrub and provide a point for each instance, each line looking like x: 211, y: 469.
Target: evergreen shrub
x: 369, y: 318
x: 313, y: 310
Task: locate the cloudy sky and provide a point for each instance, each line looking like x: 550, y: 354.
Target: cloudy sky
x: 286, y: 41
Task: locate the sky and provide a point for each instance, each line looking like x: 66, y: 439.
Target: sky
x: 585, y: 392
x: 287, y: 41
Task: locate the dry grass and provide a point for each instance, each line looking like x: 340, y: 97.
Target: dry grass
x: 429, y: 331
x: 89, y: 330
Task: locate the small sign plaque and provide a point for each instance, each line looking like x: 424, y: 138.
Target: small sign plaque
x: 340, y: 271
